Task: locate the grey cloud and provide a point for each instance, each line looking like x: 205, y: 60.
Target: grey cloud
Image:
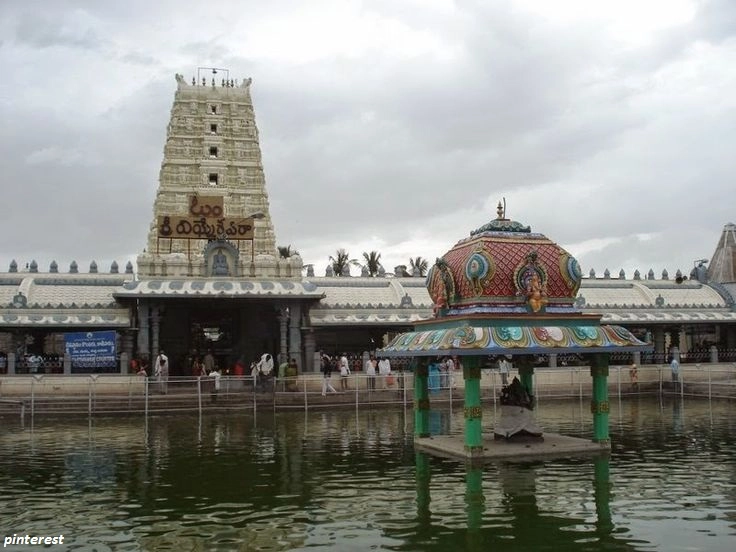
x: 40, y: 30
x: 139, y: 58
x: 575, y: 131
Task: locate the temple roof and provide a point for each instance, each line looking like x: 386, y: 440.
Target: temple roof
x: 343, y: 301
x: 722, y: 266
x: 69, y: 300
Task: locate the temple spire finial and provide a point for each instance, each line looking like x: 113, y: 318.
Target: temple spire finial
x: 501, y: 210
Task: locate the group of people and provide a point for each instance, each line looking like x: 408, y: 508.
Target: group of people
x: 288, y: 370
x: 374, y: 368
x: 382, y: 368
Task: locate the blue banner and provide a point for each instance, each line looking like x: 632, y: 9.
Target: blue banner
x: 91, y: 349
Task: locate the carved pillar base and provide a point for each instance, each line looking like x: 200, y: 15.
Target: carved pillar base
x: 599, y: 406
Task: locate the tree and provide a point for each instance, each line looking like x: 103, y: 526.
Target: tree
x: 420, y: 264
x: 285, y: 251
x: 372, y: 262
x: 342, y: 261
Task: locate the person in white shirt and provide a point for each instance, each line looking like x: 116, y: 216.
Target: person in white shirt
x: 215, y: 375
x: 503, y: 367
x: 384, y: 370
x: 161, y: 371
x: 675, y: 367
x: 265, y: 367
x: 344, y: 372
x: 370, y: 371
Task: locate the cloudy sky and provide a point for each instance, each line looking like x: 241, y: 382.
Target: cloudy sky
x: 387, y: 125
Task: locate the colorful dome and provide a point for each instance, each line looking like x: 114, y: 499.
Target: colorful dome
x: 504, y: 267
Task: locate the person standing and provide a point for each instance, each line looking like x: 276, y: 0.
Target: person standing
x: 444, y: 377
x: 209, y: 362
x: 344, y: 366
x: 634, y: 377
x: 384, y: 370
x: 162, y: 372
x: 197, y: 367
x: 281, y: 377
x: 215, y: 389
x: 503, y: 368
x: 675, y: 367
x: 265, y: 367
x: 370, y: 371
x: 451, y: 366
x: 292, y: 371
x: 133, y: 365
x: 326, y: 367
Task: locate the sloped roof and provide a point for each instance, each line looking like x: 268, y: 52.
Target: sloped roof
x: 476, y: 339
x: 363, y: 292
x: 84, y: 300
x: 617, y: 293
x: 722, y: 266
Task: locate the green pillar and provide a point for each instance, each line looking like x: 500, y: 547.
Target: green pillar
x: 423, y: 477
x: 526, y: 374
x: 421, y: 399
x: 602, y: 486
x: 473, y: 410
x: 599, y: 405
x: 474, y: 506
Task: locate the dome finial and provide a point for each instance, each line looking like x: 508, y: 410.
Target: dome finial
x: 501, y: 210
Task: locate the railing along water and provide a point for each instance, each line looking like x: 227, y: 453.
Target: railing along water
x: 101, y: 394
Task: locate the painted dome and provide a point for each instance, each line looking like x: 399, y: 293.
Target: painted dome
x: 504, y: 267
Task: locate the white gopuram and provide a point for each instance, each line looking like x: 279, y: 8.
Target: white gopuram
x: 211, y: 213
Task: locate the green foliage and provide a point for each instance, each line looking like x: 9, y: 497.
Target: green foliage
x: 372, y: 262
x: 420, y: 264
x: 342, y: 261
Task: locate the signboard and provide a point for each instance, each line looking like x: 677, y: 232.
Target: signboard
x: 204, y: 221
x: 91, y: 349
x: 202, y: 228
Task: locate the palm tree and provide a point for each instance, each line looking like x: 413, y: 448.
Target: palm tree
x: 285, y: 251
x: 342, y: 261
x: 372, y: 262
x: 419, y: 264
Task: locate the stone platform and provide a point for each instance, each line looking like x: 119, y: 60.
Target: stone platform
x: 552, y: 445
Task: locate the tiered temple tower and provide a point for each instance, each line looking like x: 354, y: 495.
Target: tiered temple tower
x: 722, y: 267
x: 211, y: 212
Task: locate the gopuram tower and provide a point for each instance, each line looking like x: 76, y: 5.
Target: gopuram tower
x: 211, y: 212
x: 211, y: 280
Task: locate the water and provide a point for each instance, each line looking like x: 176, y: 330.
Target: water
x: 337, y: 481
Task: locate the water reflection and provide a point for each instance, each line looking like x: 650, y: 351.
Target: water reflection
x: 339, y: 480
x: 523, y: 524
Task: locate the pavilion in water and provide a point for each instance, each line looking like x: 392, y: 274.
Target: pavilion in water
x: 506, y: 290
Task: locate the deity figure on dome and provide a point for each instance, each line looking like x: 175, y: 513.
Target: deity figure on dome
x: 536, y: 295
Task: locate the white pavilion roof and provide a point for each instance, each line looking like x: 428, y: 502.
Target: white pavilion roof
x: 55, y: 299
